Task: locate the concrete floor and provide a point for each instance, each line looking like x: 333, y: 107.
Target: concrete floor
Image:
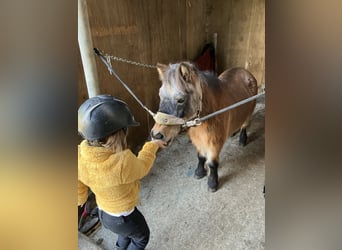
x: 183, y: 214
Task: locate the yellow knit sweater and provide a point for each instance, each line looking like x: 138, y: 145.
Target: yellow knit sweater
x: 113, y: 177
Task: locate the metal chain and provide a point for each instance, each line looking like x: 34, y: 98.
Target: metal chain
x: 119, y: 59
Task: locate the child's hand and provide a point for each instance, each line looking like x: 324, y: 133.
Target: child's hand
x: 160, y: 143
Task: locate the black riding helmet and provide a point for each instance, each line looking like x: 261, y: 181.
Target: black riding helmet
x: 102, y: 115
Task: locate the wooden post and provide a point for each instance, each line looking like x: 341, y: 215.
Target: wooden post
x: 214, y: 41
x: 85, y: 44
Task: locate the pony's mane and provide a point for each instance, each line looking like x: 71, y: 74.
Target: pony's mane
x: 209, y: 79
x: 173, y: 75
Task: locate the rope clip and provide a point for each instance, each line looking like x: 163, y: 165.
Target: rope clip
x: 193, y: 123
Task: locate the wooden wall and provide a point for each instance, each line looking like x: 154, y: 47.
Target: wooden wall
x: 151, y: 31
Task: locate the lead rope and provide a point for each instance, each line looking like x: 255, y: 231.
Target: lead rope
x: 110, y: 68
x: 198, y: 121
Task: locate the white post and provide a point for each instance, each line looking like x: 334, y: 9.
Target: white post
x: 85, y: 44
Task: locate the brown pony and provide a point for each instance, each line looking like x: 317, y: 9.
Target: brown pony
x: 187, y: 93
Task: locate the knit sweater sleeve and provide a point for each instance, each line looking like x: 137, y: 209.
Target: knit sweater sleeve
x: 136, y: 168
x: 82, y: 193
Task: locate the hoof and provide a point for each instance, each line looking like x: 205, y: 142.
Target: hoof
x: 212, y: 185
x: 199, y: 174
x: 212, y: 189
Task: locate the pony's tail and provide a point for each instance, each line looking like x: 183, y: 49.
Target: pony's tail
x: 261, y: 88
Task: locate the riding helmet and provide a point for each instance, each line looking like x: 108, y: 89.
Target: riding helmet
x: 102, y: 115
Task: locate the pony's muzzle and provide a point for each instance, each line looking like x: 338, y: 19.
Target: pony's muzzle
x: 165, y: 133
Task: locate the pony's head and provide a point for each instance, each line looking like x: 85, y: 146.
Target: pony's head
x: 180, y: 98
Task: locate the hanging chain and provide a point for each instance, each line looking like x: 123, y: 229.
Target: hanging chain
x: 119, y: 59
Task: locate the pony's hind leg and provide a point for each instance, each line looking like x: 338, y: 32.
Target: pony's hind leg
x: 200, y: 171
x: 243, y: 137
x: 213, y: 176
x: 243, y: 132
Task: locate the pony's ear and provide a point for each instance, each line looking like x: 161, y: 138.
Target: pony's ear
x: 161, y: 69
x: 185, y: 71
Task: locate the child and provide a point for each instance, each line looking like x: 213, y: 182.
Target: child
x: 112, y: 171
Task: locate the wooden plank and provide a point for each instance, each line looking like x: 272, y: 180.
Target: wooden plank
x: 143, y: 31
x: 241, y: 39
x: 196, y: 20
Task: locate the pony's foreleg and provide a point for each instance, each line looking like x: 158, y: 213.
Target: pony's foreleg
x: 200, y: 171
x: 213, y: 176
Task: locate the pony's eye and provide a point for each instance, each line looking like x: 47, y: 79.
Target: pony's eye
x: 180, y: 101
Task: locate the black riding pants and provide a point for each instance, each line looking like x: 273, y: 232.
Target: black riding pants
x: 132, y: 230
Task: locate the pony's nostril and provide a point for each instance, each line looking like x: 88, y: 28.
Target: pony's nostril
x: 157, y: 136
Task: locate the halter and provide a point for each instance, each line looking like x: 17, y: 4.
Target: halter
x: 165, y: 119
x: 170, y: 120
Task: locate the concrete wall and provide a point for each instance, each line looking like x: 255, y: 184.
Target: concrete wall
x: 151, y: 31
